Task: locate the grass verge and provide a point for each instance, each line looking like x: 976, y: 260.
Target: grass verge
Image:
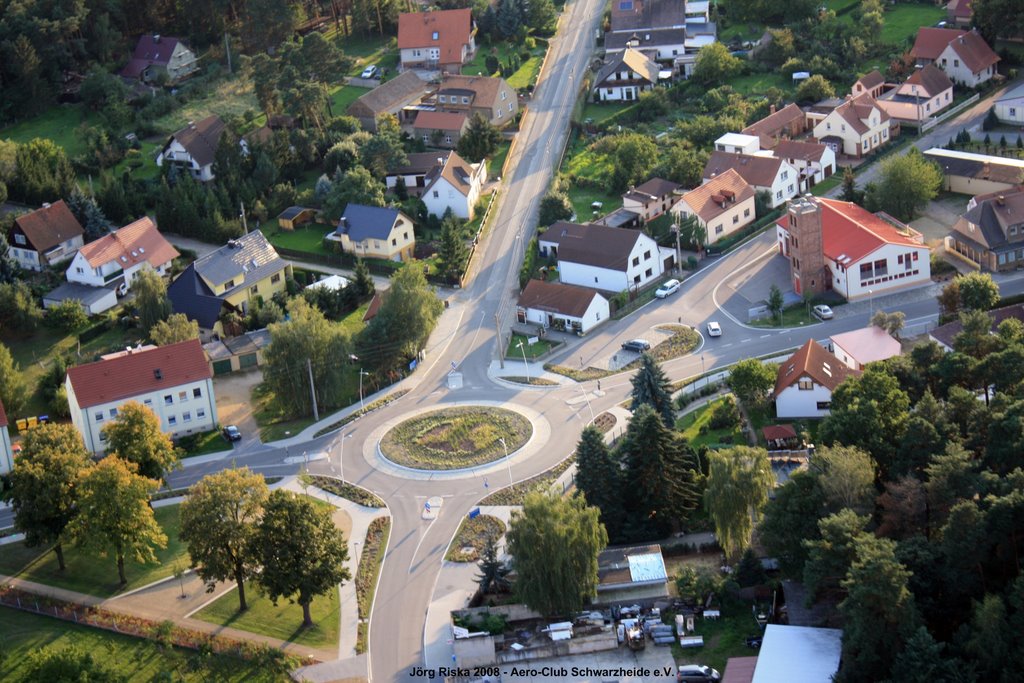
x: 531, y: 350
x: 203, y: 444
x: 282, y: 621
x: 792, y: 316
x: 356, y: 494
x: 533, y: 381
x: 453, y: 438
x: 370, y: 562
x: 472, y: 537
x: 135, y: 658
x: 379, y: 403
x: 89, y: 573
x: 514, y: 495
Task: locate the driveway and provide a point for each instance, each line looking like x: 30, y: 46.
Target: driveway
x: 938, y: 217
x: 748, y: 287
x: 234, y: 403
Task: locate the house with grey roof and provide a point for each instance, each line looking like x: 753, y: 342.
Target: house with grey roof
x: 608, y: 259
x: 990, y: 234
x: 375, y: 232
x: 229, y: 279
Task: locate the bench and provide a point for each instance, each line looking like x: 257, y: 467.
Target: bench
x: 691, y: 641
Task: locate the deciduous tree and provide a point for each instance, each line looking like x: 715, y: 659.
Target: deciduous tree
x: 815, y: 89
x: 70, y: 663
x: 554, y: 543
x: 13, y: 388
x: 790, y: 518
x: 908, y: 182
x: 356, y: 186
x: 114, y: 515
x: 151, y: 298
x: 43, y: 484
x: 751, y: 380
x: 218, y: 523
x: 715, y: 65
x: 401, y: 327
x: 452, y: 252
x: 301, y: 552
x: 846, y: 476
x: 136, y: 436
x: 739, y: 480
x: 830, y: 555
x: 19, y: 313
x: 177, y: 328
x: 978, y: 292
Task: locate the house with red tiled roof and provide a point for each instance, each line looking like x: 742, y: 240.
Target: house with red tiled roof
x: 6, y: 452
x: 763, y: 172
x: 964, y: 55
x: 872, y: 83
x: 121, y: 255
x: 922, y: 96
x: 45, y: 236
x: 855, y: 127
x: 812, y: 160
x: 838, y: 246
x: 959, y: 13
x: 440, y: 128
x: 174, y: 381
x: 806, y: 380
x: 492, y: 98
x: 442, y: 39
x: 553, y: 304
x: 156, y: 57
x: 786, y: 123
x: 722, y: 205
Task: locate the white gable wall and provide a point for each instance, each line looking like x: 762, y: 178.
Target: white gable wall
x: 796, y: 402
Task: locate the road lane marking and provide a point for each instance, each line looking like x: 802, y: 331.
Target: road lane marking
x: 763, y: 336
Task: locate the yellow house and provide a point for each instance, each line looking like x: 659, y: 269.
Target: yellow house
x: 229, y: 278
x: 374, y: 232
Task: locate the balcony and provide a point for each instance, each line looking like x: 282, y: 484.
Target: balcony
x: 113, y: 275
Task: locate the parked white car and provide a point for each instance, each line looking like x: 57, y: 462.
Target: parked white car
x: 667, y: 289
x: 823, y: 312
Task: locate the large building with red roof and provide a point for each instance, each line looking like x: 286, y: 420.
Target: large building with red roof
x: 442, y: 39
x: 173, y: 381
x: 122, y: 254
x: 964, y: 55
x: 805, y: 382
x: 838, y: 246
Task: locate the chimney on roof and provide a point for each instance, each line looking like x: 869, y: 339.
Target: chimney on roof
x: 440, y: 161
x: 771, y: 109
x: 1001, y: 200
x: 158, y: 374
x: 46, y: 205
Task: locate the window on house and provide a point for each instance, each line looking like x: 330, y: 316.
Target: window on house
x: 113, y: 413
x: 197, y: 392
x: 881, y: 268
x: 186, y: 416
x: 79, y: 270
x: 443, y: 98
x: 636, y: 260
x: 647, y: 273
x: 465, y: 100
x: 394, y: 241
x: 805, y: 384
x: 719, y: 229
x: 168, y: 400
x: 275, y: 278
x: 405, y: 236
x: 785, y: 175
x: 254, y: 289
x: 504, y: 95
x: 1013, y: 229
x: 778, y: 195
x: 824, y: 405
x: 182, y: 396
x: 425, y: 138
x: 228, y: 285
x: 436, y: 195
x: 746, y: 213
x: 647, y: 255
x: 103, y: 436
x: 447, y: 139
x: 172, y: 420
x: 956, y: 62
x: 499, y: 113
x: 735, y: 220
x: 376, y: 244
x: 19, y: 239
x: 201, y: 413
x: 434, y: 36
x: 865, y: 271
x: 99, y: 416
x: 636, y: 279
x: 148, y: 403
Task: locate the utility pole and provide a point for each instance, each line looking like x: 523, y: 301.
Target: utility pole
x: 312, y: 390
x: 245, y: 226
x: 501, y: 350
x: 227, y: 49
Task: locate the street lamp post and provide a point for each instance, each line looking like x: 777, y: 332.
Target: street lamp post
x: 525, y: 362
x: 341, y: 457
x: 871, y: 303
x: 702, y: 371
x: 361, y: 375
x: 507, y: 461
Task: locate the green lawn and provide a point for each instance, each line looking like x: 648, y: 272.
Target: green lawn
x: 203, y: 444
x: 756, y: 84
x: 367, y: 50
x: 309, y: 237
x: 583, y: 197
x: 88, y: 572
x: 497, y: 160
x: 58, y: 123
x: 283, y: 621
x: 532, y: 350
x: 353, y: 322
x: 148, y: 169
x: 828, y: 184
x: 345, y: 95
x: 524, y: 76
x: 276, y: 421
x: 723, y: 638
x: 478, y: 65
x: 749, y: 32
x: 838, y: 6
x: 527, y: 74
x: 232, y: 96
x: 691, y: 423
x: 903, y: 20
x: 134, y: 658
x: 599, y: 112
x: 792, y: 316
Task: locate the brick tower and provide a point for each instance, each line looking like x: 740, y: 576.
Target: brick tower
x: 806, y: 257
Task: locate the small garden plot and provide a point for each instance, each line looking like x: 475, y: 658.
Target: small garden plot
x: 472, y: 537
x: 715, y: 424
x: 454, y: 438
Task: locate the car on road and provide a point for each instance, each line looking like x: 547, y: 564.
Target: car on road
x: 714, y: 329
x: 638, y: 345
x: 697, y: 673
x: 231, y: 433
x: 371, y: 71
x: 670, y: 287
x: 823, y: 312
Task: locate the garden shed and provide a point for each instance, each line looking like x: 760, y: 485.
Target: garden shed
x: 294, y: 216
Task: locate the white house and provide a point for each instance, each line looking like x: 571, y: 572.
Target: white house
x: 806, y: 380
x: 857, y: 348
x: 45, y: 236
x: 652, y: 198
x: 855, y: 127
x: 454, y: 183
x: 375, y: 232
x: 927, y: 92
x: 157, y: 56
x: 599, y: 257
x: 763, y: 172
x: 6, y: 454
x: 813, y: 161
x: 173, y: 381
x: 964, y: 55
x: 1010, y: 107
x: 838, y: 246
x: 442, y: 39
x: 723, y: 205
x: 626, y: 75
x: 121, y: 255
x: 193, y: 148
x: 551, y: 304
x: 976, y: 174
x: 738, y: 143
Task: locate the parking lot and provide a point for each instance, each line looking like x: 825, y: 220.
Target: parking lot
x: 652, y: 665
x: 234, y: 401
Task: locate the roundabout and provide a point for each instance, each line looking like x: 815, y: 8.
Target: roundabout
x: 456, y: 438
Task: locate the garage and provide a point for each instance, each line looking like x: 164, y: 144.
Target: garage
x: 248, y: 360
x: 221, y: 367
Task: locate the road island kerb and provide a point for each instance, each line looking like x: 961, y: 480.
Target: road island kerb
x: 375, y: 458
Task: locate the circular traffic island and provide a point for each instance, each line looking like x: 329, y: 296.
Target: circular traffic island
x: 456, y: 438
